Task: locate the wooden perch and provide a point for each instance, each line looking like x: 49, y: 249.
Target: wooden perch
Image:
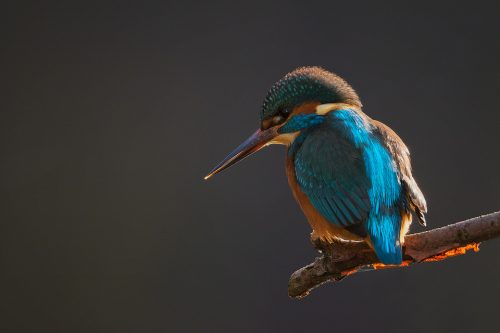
x: 345, y: 258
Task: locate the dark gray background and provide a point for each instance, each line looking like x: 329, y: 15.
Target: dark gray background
x: 111, y: 114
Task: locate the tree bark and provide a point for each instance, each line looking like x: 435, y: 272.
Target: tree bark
x: 341, y: 259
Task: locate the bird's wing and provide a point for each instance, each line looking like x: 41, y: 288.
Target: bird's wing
x: 330, y: 170
x: 401, y: 156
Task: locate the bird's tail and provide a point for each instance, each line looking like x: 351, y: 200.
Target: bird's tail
x: 384, y: 233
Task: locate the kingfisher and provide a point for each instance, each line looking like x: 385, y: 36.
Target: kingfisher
x: 350, y: 174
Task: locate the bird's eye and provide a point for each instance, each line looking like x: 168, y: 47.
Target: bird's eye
x: 285, y: 113
x: 278, y: 119
x: 281, y: 116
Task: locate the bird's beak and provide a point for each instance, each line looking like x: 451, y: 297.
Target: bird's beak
x: 254, y: 143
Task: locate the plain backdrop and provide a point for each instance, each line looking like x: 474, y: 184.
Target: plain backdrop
x: 112, y: 113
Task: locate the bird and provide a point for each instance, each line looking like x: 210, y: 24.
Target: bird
x: 350, y: 174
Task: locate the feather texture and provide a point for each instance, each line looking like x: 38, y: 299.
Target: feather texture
x: 349, y: 175
x: 401, y: 156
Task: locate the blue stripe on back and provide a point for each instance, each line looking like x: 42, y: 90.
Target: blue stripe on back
x: 384, y: 221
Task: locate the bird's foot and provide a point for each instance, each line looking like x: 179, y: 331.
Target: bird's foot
x: 336, y: 249
x: 317, y: 242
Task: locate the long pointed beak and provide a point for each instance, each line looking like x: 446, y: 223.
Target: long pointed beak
x: 253, y: 144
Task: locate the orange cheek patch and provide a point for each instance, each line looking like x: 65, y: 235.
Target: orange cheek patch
x: 305, y: 108
x: 266, y: 123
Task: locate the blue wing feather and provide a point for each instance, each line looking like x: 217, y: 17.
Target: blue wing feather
x: 330, y: 171
x: 350, y: 177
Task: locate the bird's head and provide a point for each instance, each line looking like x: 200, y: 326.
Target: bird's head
x: 291, y: 105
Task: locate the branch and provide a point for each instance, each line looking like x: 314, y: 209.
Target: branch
x: 346, y: 258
